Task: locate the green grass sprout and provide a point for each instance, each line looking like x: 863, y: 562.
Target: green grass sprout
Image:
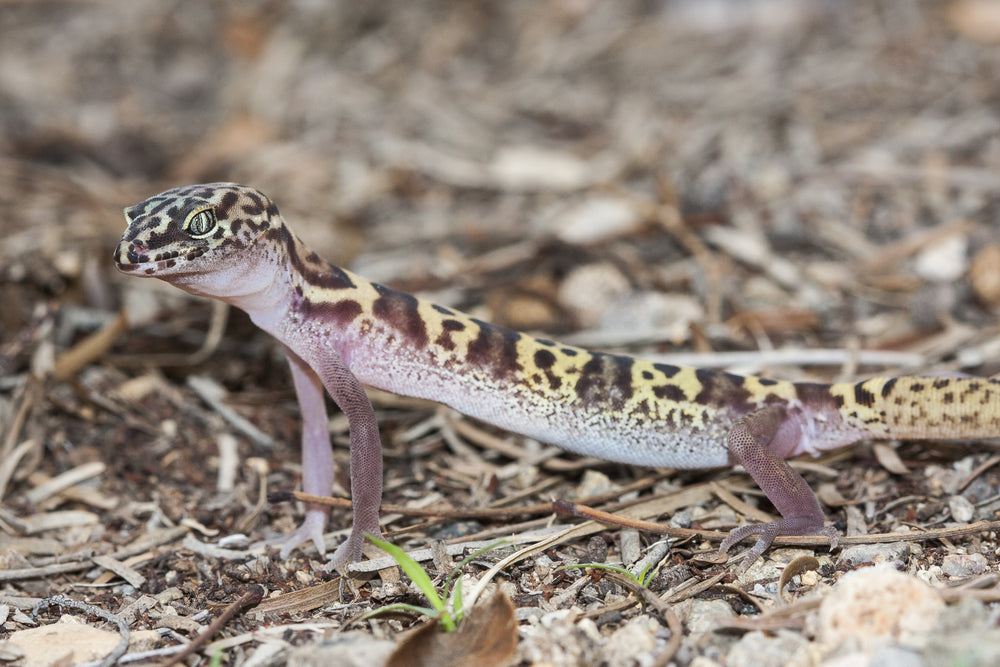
x: 440, y: 602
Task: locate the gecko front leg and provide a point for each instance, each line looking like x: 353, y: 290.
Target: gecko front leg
x: 317, y: 455
x: 366, y: 455
x: 753, y: 442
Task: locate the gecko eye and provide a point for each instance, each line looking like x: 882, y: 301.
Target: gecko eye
x: 200, y: 223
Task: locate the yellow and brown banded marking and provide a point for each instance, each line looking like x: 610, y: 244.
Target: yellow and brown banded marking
x: 922, y: 407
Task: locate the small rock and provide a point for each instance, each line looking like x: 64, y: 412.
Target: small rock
x: 596, y: 219
x: 978, y: 20
x: 351, y: 649
x: 964, y: 565
x: 681, y: 519
x: 878, y: 606
x: 756, y: 649
x: 897, y: 656
x: 595, y: 483
x: 597, y: 549
x: 589, y: 291
x: 875, y: 553
x: 704, y: 615
x: 653, y: 313
x: 535, y: 168
x: 627, y: 643
x: 961, y: 509
x: 984, y: 276
x: 943, y: 262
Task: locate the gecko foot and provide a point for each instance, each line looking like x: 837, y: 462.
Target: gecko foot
x: 769, y: 531
x: 311, y: 530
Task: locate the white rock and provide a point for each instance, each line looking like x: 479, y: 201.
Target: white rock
x: 877, y: 606
x: 595, y: 219
x: 944, y: 261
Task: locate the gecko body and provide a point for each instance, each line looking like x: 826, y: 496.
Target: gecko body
x: 341, y: 331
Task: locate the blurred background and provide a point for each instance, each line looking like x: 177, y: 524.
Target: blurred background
x: 570, y: 153
x: 650, y: 176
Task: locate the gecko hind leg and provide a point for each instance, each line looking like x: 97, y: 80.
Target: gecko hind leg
x: 753, y: 442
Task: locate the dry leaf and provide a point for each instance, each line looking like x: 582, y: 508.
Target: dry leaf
x: 487, y: 637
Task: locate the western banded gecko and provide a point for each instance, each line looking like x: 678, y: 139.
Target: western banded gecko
x: 340, y: 331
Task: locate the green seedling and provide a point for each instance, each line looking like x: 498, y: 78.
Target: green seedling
x: 642, y: 579
x: 439, y: 608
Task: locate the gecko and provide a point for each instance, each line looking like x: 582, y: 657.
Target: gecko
x: 341, y: 332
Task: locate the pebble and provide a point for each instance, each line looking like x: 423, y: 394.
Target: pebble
x: 964, y: 565
x: 875, y: 553
x: 944, y: 261
x: 983, y: 274
x: 596, y: 219
x: 877, y: 606
x: 961, y: 509
x: 704, y: 615
x: 757, y: 649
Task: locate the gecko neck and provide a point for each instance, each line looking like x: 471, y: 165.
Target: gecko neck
x: 259, y: 284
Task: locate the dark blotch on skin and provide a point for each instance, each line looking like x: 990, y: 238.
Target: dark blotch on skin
x: 767, y: 382
x: 495, y: 348
x: 255, y: 205
x: 544, y: 359
x: 888, y: 386
x: 941, y: 383
x: 321, y: 273
x: 722, y: 389
x: 443, y: 310
x: 862, y: 396
x: 606, y: 379
x: 448, y: 326
x: 817, y: 396
x: 226, y: 204
x: 569, y: 352
x: 399, y: 310
x: 647, y: 375
x: 669, y: 392
x: 338, y: 313
x: 668, y: 370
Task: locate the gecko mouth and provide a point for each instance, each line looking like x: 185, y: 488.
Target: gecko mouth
x: 133, y: 258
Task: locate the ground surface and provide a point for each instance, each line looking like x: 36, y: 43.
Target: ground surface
x: 647, y: 177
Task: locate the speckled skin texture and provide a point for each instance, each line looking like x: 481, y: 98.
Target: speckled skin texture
x: 341, y: 331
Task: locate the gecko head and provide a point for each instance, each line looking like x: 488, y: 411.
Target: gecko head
x: 195, y: 229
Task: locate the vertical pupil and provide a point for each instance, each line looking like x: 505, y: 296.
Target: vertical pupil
x: 200, y: 223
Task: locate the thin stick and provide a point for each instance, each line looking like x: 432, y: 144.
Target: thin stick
x: 574, y: 509
x: 251, y: 598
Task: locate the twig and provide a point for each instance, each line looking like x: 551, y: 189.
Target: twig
x: 574, y: 509
x: 251, y: 598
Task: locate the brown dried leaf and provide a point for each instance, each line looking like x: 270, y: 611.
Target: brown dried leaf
x: 487, y: 637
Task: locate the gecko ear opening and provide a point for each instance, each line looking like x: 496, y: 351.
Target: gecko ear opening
x: 200, y: 223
